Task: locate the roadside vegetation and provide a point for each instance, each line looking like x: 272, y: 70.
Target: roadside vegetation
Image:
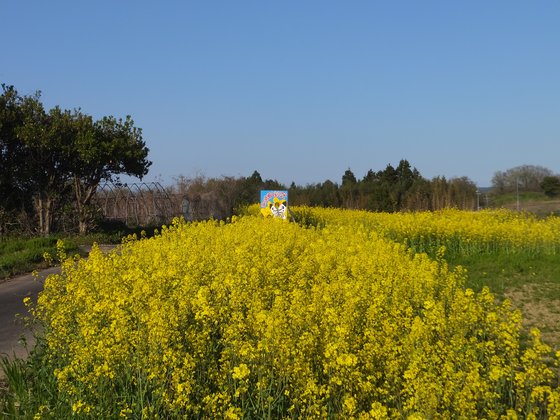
x: 24, y: 254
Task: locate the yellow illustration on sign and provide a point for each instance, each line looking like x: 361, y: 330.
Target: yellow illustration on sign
x: 274, y: 204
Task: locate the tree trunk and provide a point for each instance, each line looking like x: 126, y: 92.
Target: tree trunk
x: 39, y: 208
x: 82, y: 226
x: 48, y: 216
x: 44, y: 206
x: 84, y: 194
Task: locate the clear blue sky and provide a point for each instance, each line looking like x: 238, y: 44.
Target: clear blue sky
x: 303, y: 90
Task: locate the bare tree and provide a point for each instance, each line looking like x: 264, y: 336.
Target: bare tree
x: 524, y: 177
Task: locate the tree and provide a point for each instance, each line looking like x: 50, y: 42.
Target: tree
x: 250, y: 189
x: 418, y: 198
x: 102, y: 151
x: 456, y: 192
x: 272, y: 184
x: 524, y: 177
x: 384, y: 196
x: 47, y: 147
x: 388, y: 190
x: 551, y: 186
x: 349, y: 189
x: 439, y: 193
x: 348, y: 178
x: 328, y: 194
x: 44, y: 155
x: 462, y: 192
x: 405, y: 179
x: 13, y: 194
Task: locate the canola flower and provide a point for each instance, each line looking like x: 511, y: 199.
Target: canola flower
x: 459, y: 231
x: 266, y: 319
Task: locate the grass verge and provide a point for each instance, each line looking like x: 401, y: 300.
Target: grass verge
x: 24, y: 254
x: 24, y: 376
x: 20, y: 255
x: 530, y: 282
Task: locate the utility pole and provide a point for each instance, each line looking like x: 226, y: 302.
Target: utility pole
x: 477, y: 200
x: 517, y: 187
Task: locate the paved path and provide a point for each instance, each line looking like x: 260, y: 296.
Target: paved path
x: 12, y: 309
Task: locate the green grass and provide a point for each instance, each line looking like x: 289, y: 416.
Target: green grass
x: 501, y: 271
x: 24, y: 254
x: 535, y: 202
x: 530, y: 282
x: 20, y: 255
x: 499, y: 200
x: 30, y: 388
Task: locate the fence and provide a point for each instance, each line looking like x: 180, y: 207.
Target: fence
x: 137, y: 204
x: 144, y: 204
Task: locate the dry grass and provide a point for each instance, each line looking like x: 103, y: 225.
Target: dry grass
x: 540, y: 306
x: 541, y: 208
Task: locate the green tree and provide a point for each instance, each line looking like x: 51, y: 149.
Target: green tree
x: 272, y: 184
x: 14, y: 182
x: 388, y: 190
x: 348, y: 178
x: 405, y: 177
x: 250, y: 187
x: 47, y: 146
x: 328, y: 194
x: 349, y: 190
x: 551, y: 186
x: 384, y: 196
x: 44, y: 155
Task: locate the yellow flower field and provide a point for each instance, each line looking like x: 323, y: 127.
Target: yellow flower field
x: 262, y: 318
x: 457, y: 230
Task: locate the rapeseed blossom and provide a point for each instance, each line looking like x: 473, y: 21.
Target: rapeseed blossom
x: 457, y: 230
x: 261, y: 318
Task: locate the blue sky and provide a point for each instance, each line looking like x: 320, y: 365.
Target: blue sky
x: 303, y: 90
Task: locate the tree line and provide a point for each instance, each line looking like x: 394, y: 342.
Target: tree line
x: 393, y: 189
x: 52, y: 161
x: 400, y: 188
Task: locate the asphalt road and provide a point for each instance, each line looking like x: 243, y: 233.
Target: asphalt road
x: 12, y: 309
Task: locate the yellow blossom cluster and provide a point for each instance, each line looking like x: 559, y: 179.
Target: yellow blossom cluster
x: 261, y: 318
x: 459, y: 231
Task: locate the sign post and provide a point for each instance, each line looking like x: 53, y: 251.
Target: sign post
x: 274, y: 203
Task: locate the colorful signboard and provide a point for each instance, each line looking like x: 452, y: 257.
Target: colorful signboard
x: 274, y: 203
